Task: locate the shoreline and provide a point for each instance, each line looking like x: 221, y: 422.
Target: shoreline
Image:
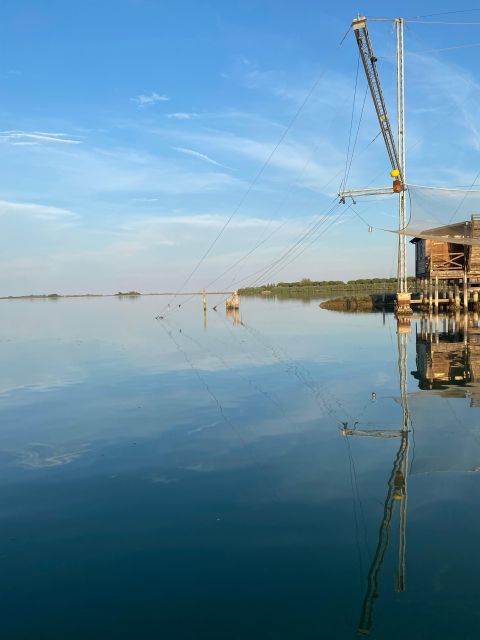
x: 57, y: 296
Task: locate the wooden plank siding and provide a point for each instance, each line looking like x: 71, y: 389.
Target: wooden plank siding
x: 449, y: 260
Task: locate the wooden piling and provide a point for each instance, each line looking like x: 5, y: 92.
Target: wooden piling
x: 450, y: 297
x: 457, y: 297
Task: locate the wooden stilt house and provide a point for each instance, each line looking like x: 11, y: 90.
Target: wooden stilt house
x: 455, y: 266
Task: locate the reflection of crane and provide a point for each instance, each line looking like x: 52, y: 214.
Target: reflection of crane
x: 396, y: 491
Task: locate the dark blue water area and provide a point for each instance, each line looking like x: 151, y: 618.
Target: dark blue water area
x: 261, y: 477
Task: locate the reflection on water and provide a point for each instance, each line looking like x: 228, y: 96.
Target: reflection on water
x: 396, y: 491
x: 448, y: 356
x: 240, y: 475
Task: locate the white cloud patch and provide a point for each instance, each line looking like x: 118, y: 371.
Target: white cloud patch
x: 200, y: 156
x: 39, y: 211
x: 146, y: 100
x: 182, y: 115
x: 36, y: 137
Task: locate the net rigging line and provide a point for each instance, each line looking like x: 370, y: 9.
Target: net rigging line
x: 356, y: 136
x: 311, y: 229
x: 250, y: 275
x: 251, y: 185
x: 436, y: 22
x: 282, y: 264
x: 303, y: 248
x: 460, y: 46
x: 303, y: 376
x: 276, y: 402
x: 283, y: 224
x: 343, y: 182
x: 303, y: 236
x: 348, y: 165
x: 282, y: 203
x: 469, y: 190
x: 175, y: 310
x: 446, y: 13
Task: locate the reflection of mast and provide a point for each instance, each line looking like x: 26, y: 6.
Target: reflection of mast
x: 402, y: 337
x: 397, y: 490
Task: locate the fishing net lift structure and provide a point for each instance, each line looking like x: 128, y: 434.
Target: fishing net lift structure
x: 444, y: 223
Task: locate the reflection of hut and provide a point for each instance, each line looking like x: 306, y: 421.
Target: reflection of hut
x: 233, y: 303
x: 448, y: 361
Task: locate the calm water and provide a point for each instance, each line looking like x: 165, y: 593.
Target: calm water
x: 166, y: 480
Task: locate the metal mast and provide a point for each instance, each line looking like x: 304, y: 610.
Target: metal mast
x: 395, y: 155
x: 402, y: 211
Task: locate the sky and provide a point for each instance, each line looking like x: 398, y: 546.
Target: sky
x: 132, y: 130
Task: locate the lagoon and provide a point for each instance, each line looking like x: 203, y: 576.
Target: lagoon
x: 179, y: 480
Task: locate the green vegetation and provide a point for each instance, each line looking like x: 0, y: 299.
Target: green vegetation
x: 306, y: 285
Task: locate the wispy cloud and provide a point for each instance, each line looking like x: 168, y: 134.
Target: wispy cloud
x: 313, y: 165
x: 182, y: 115
x: 146, y: 100
x: 200, y: 156
x: 205, y: 220
x: 36, y: 137
x: 39, y: 211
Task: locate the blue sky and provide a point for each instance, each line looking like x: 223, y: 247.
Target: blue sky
x: 131, y: 129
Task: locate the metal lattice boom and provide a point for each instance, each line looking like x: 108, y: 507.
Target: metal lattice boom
x: 369, y: 64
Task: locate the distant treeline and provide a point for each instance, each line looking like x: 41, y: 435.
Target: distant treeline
x: 364, y: 284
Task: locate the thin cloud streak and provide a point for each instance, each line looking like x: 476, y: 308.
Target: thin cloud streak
x: 39, y: 211
x: 36, y: 137
x: 143, y: 100
x: 200, y: 156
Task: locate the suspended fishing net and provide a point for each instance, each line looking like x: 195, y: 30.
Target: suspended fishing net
x: 444, y: 215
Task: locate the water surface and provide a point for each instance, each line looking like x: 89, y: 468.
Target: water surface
x: 287, y: 473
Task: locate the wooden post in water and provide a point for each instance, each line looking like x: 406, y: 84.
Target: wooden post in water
x: 450, y: 324
x: 450, y: 297
x: 465, y: 292
x: 475, y: 300
x: 436, y: 294
x: 457, y: 297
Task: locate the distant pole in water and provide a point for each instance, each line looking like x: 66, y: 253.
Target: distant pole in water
x: 204, y: 296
